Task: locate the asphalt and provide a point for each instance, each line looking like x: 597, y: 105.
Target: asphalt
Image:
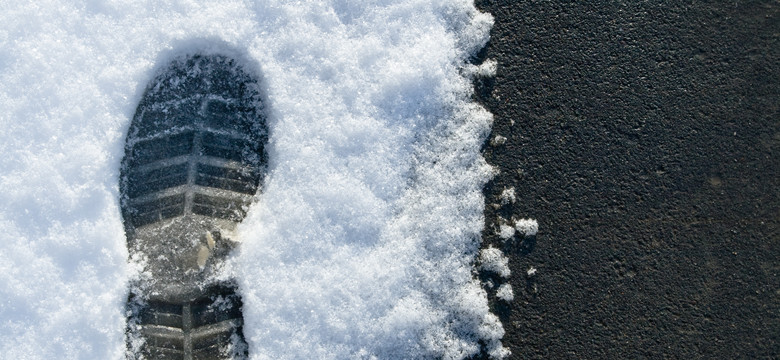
x: 643, y: 136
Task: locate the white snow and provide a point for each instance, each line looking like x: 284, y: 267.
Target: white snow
x: 493, y: 260
x: 506, y: 232
x: 363, y: 242
x: 508, y: 196
x: 505, y: 292
x: 527, y: 227
x: 486, y: 69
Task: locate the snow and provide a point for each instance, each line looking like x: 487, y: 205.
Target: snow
x: 505, y: 292
x: 493, y: 260
x: 363, y: 242
x: 508, y: 196
x: 531, y: 271
x: 527, y: 227
x: 498, y: 140
x: 506, y: 232
x: 486, y: 69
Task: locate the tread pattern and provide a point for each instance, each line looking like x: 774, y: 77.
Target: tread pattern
x: 193, y: 162
x: 207, y: 328
x: 177, y: 174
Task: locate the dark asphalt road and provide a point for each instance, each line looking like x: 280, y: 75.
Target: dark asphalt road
x: 645, y: 142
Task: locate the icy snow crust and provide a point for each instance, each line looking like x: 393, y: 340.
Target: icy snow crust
x: 363, y: 241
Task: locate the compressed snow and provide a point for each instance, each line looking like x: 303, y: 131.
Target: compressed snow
x: 493, y: 260
x: 527, y: 227
x: 505, y: 292
x: 361, y: 245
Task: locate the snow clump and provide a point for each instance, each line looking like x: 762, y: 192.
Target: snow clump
x: 493, y: 260
x: 505, y: 292
x: 508, y: 196
x: 527, y: 227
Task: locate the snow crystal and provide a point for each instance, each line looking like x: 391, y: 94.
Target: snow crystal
x: 505, y: 292
x: 527, y: 227
x: 362, y: 243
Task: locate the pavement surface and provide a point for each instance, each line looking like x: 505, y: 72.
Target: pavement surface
x: 643, y: 136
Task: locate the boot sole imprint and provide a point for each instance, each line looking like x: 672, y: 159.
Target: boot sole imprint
x: 194, y: 160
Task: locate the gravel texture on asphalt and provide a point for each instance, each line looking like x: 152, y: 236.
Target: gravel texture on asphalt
x: 643, y: 137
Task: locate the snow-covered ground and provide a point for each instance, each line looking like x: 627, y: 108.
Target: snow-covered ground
x: 362, y: 244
